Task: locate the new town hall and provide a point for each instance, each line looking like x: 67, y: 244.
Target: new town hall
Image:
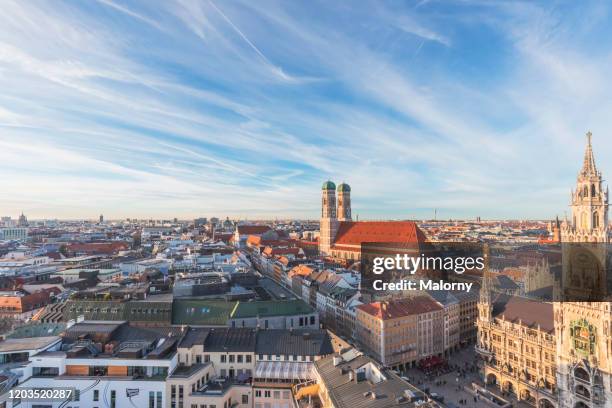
x: 558, y: 354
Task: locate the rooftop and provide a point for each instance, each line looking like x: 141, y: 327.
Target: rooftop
x: 358, y: 232
x: 294, y: 342
x: 400, y: 308
x: 271, y: 308
x: 530, y: 313
x: 33, y: 343
x: 347, y: 389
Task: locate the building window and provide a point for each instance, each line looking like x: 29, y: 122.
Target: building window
x: 258, y: 393
x: 113, y: 399
x: 223, y: 358
x: 267, y: 393
x: 231, y: 358
x: 151, y: 399
x: 248, y: 358
x: 159, y: 399
x: 245, y: 398
x: 96, y: 395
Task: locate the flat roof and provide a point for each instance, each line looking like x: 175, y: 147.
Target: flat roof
x: 31, y: 343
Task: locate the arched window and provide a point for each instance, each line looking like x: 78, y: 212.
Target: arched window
x: 583, y: 391
x: 592, y: 190
x: 586, y: 191
x: 595, y: 220
x: 581, y: 374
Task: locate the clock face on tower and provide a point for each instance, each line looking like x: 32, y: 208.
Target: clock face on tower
x: 583, y: 337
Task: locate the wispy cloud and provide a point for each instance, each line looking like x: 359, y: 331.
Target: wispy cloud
x: 193, y: 107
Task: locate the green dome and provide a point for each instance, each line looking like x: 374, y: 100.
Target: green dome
x: 329, y: 185
x: 344, y: 188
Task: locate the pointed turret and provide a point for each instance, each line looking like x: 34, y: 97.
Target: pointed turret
x: 485, y: 289
x: 588, y: 166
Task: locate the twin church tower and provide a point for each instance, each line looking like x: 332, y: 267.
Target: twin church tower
x: 332, y: 214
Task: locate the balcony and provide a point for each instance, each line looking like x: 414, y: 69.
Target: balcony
x: 482, y: 351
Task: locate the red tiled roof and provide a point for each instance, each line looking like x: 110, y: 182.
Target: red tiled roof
x: 400, y: 308
x: 301, y: 270
x: 358, y: 232
x: 253, y: 229
x: 270, y: 251
x: 98, y: 247
x: 225, y: 237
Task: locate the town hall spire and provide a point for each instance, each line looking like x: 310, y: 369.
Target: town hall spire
x: 588, y: 166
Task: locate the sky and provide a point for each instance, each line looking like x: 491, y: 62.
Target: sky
x: 243, y: 109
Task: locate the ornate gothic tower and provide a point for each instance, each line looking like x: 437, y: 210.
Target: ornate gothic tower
x: 583, y: 329
x: 589, y: 221
x: 344, y: 202
x: 329, y: 222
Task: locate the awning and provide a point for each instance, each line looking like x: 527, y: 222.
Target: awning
x: 284, y: 370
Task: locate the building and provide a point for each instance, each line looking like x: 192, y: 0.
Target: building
x: 400, y: 333
x: 558, y: 354
x: 340, y: 237
x: 244, y: 367
x: 20, y: 304
x: 468, y: 315
x: 584, y: 329
x: 517, y: 342
x: 589, y: 206
x: 242, y: 233
x: 13, y: 234
x: 108, y: 364
x: 350, y: 379
x: 288, y: 314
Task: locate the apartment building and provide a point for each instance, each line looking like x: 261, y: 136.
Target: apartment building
x: 468, y: 314
x: 108, y: 364
x: 400, y: 333
x: 215, y: 366
x: 243, y: 367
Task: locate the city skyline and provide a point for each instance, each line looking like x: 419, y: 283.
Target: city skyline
x: 227, y: 109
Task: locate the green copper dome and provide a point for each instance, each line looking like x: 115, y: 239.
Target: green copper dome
x: 344, y: 188
x: 329, y: 185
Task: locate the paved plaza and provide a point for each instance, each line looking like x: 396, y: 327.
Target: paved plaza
x: 451, y: 385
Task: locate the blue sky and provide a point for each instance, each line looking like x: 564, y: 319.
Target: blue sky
x: 202, y: 108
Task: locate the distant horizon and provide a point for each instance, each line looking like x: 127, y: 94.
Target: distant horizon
x: 280, y: 219
x: 244, y: 109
